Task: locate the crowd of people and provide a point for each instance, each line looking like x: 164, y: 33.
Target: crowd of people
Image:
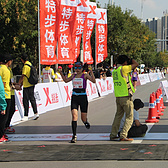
x: 50, y: 74
x: 126, y: 122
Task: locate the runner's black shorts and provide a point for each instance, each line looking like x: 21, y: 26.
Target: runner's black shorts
x: 80, y: 100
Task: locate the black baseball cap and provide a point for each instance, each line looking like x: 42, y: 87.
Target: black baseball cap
x: 138, y: 104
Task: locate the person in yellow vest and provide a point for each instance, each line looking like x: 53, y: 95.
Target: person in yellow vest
x: 28, y: 89
x: 123, y: 90
x: 48, y: 74
x: 5, y: 75
x: 58, y: 77
x: 8, y: 128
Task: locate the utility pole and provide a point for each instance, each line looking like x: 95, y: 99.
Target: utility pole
x: 142, y: 9
x: 112, y: 2
x: 39, y: 39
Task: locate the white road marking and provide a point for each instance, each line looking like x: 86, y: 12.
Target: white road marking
x: 136, y: 141
x: 81, y: 137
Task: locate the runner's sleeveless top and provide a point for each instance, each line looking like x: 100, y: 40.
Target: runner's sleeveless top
x: 79, y: 85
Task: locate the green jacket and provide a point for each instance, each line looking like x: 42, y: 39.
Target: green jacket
x: 120, y: 84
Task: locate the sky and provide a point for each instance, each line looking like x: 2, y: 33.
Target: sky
x: 151, y: 8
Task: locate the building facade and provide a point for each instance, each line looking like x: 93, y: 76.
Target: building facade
x: 160, y: 28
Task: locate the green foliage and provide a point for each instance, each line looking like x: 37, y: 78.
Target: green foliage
x: 9, y: 25
x: 19, y: 28
x: 28, y: 32
x: 127, y: 35
x: 161, y: 59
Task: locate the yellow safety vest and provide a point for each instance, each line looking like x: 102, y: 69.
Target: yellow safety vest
x: 120, y: 84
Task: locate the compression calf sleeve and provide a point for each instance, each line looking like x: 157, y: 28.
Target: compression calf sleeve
x: 74, y: 126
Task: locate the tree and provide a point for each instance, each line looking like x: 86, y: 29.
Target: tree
x: 161, y: 59
x: 9, y: 26
x: 127, y: 35
x: 19, y: 28
x: 164, y: 56
x: 27, y: 40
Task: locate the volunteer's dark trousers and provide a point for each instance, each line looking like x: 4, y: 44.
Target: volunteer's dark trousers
x: 138, y: 131
x: 28, y: 94
x: 3, y: 118
x: 11, y: 111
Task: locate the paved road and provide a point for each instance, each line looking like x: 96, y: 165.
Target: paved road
x: 105, y: 153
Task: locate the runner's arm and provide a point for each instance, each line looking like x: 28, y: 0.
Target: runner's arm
x: 21, y: 80
x: 66, y: 80
x: 134, y: 64
x: 91, y: 77
x: 137, y: 123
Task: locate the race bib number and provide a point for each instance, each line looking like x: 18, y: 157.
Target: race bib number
x: 77, y: 83
x: 46, y: 76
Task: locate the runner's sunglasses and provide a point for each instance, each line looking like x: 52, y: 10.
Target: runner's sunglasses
x: 78, y: 67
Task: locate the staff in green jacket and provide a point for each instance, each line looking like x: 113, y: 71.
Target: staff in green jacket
x: 124, y: 90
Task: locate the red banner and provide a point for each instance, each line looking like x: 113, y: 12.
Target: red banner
x: 66, y: 26
x: 48, y: 32
x: 81, y: 15
x: 89, y: 25
x: 101, y: 35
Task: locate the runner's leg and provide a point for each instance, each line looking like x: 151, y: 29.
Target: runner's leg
x: 74, y: 120
x: 84, y: 109
x: 74, y: 124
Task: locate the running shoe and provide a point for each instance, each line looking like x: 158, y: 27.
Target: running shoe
x: 25, y: 118
x: 3, y: 139
x: 36, y: 116
x: 74, y: 139
x: 87, y: 125
x: 9, y: 130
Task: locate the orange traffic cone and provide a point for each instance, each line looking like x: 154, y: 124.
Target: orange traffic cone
x: 151, y: 113
x: 162, y: 104
x: 158, y: 104
x: 156, y: 114
x: 161, y: 109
